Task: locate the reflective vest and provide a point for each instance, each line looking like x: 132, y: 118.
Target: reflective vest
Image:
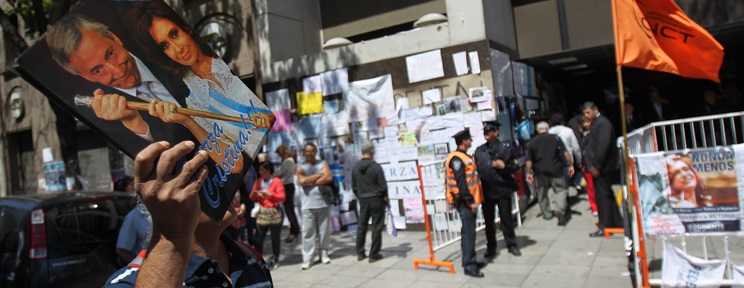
x: 471, y: 176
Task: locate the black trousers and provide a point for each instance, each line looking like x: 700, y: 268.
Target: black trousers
x: 507, y: 221
x: 607, y: 210
x: 467, y: 243
x: 289, y: 208
x: 276, y: 233
x: 375, y: 209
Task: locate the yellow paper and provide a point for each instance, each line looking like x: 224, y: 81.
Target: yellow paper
x: 309, y: 103
x: 409, y: 138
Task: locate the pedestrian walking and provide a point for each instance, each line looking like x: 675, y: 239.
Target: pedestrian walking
x: 465, y: 195
x: 549, y: 158
x: 268, y: 191
x: 496, y: 165
x: 286, y: 172
x: 369, y: 186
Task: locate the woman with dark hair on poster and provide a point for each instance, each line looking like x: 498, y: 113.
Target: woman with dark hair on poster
x: 687, y: 187
x: 170, y: 42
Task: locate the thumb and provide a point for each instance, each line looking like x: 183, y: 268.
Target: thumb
x: 98, y: 92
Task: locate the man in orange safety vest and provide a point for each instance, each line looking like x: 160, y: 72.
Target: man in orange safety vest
x: 464, y: 192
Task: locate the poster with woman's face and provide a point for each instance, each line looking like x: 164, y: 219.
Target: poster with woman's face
x: 695, y: 191
x: 137, y: 73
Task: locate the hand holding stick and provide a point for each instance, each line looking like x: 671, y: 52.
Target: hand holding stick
x: 260, y: 120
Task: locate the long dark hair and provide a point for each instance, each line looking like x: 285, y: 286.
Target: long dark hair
x: 141, y: 17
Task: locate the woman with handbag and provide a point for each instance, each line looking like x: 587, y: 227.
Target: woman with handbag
x: 268, y: 191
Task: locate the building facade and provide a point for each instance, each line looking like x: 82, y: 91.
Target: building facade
x: 539, y: 54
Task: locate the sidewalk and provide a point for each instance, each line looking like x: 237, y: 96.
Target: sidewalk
x: 553, y: 256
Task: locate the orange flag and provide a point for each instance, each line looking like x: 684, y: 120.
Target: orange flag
x: 657, y: 35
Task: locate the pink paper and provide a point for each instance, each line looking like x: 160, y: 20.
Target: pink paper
x: 283, y: 121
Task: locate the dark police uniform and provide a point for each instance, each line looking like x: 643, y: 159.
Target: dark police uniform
x: 464, y: 191
x: 498, y: 188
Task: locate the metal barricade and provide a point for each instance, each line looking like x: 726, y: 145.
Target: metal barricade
x: 443, y: 225
x: 678, y: 136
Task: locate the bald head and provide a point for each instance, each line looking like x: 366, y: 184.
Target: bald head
x: 542, y: 127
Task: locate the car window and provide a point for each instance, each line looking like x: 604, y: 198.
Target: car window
x: 78, y: 227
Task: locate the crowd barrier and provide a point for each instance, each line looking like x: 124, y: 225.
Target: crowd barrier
x: 691, y: 136
x: 443, y: 225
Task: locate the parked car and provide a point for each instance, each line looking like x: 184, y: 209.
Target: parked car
x: 64, y: 239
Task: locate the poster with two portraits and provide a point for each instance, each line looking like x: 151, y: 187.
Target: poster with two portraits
x: 696, y: 191
x: 136, y: 73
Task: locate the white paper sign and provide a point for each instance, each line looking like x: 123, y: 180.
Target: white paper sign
x: 474, y: 62
x: 311, y: 84
x: 400, y: 171
x: 461, y: 63
x: 424, y: 66
x: 278, y: 100
x: 431, y: 95
x: 336, y: 124
x: 370, y: 98
x: 404, y: 189
x: 334, y: 82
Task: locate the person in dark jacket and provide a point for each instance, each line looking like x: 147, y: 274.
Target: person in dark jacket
x: 601, y: 161
x: 369, y: 186
x: 496, y: 163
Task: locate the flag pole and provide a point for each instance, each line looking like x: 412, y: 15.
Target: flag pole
x: 626, y: 173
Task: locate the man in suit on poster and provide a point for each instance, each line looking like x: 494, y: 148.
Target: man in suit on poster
x: 87, y: 48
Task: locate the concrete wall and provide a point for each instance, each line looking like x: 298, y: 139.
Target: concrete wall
x: 465, y: 25
x: 499, y: 21
x: 288, y: 28
x: 343, y: 18
x: 538, y: 30
x: 235, y: 16
x: 589, y: 23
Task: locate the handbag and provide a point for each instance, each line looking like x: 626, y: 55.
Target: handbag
x: 269, y: 216
x: 330, y: 192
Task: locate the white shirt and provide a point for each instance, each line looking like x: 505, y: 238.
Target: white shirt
x: 150, y: 86
x: 569, y: 140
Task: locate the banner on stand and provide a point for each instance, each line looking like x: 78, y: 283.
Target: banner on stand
x: 694, y: 191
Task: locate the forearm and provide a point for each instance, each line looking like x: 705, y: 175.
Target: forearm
x: 528, y: 166
x: 308, y: 180
x: 166, y: 262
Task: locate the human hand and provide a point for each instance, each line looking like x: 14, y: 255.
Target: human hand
x: 530, y: 178
x: 263, y: 120
x: 594, y: 171
x: 111, y: 107
x: 166, y: 111
x: 171, y: 198
x: 474, y: 208
x: 571, y: 171
x: 498, y: 164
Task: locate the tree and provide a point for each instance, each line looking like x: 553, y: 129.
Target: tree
x: 36, y: 16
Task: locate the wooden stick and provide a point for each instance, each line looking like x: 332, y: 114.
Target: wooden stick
x: 143, y: 106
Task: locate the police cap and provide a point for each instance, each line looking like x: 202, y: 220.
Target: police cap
x: 491, y: 125
x: 464, y: 134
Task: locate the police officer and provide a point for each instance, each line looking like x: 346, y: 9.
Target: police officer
x: 464, y: 193
x: 496, y: 164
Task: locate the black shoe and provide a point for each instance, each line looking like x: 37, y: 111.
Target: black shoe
x: 599, y: 233
x: 515, y: 251
x: 480, y: 265
x: 474, y: 273
x: 361, y: 257
x: 490, y: 254
x: 375, y: 258
x: 561, y: 219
